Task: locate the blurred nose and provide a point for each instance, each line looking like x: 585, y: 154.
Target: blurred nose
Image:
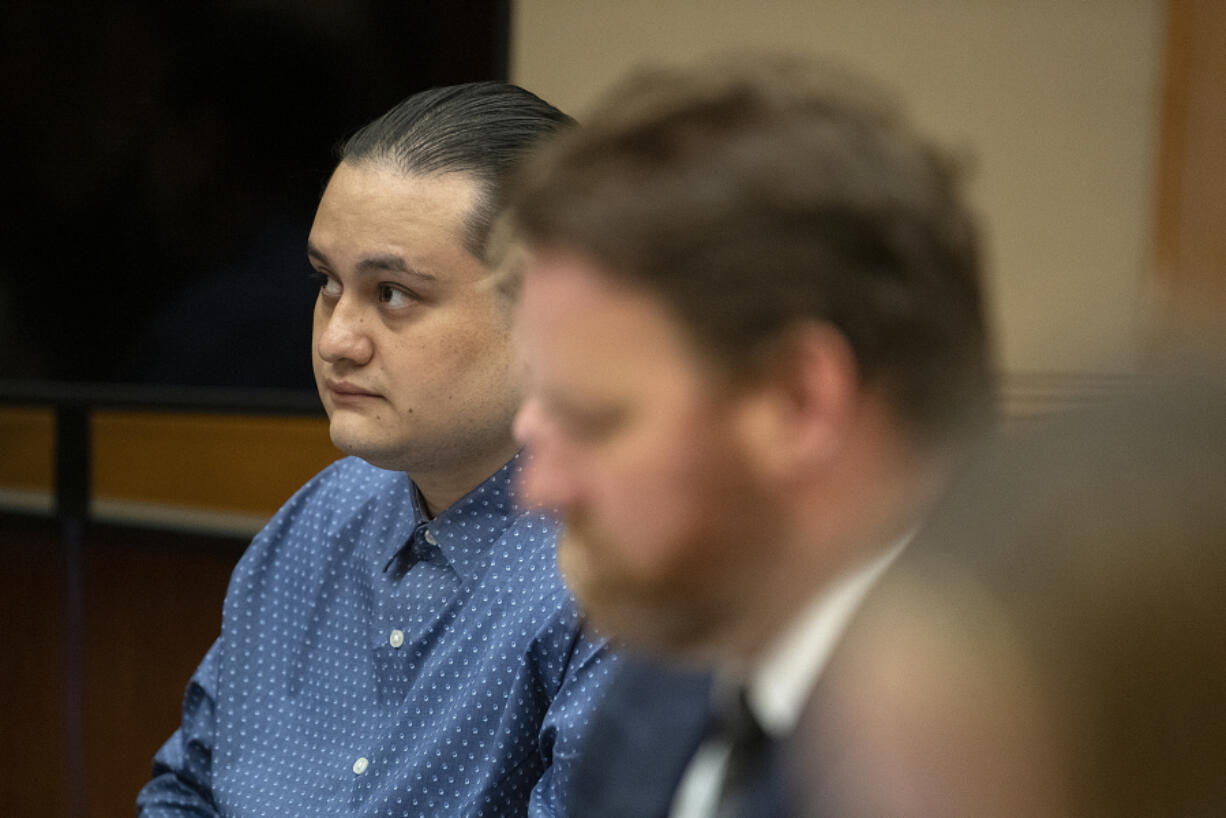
x: 343, y: 334
x: 545, y: 479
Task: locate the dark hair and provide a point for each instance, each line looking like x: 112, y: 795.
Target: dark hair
x: 752, y: 194
x: 479, y: 128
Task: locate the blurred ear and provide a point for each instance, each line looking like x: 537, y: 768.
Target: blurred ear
x: 798, y: 415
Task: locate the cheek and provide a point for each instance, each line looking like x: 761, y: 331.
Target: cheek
x: 471, y: 351
x: 316, y: 328
x: 424, y: 369
x: 657, y: 507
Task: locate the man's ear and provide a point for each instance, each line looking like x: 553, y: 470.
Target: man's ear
x: 798, y: 414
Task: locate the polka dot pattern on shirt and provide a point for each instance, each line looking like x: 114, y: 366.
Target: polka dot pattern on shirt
x: 371, y: 665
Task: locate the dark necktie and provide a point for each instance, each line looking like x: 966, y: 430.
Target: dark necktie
x: 748, y: 756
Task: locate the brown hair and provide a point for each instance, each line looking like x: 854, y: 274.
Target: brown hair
x: 755, y: 193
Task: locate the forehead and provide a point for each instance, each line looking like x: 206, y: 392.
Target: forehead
x: 580, y: 328
x: 371, y: 208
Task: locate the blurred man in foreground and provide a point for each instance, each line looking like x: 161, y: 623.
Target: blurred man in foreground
x: 752, y: 321
x: 1056, y: 644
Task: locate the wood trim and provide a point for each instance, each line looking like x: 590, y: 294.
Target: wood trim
x: 1190, y: 210
x: 170, y: 468
x: 226, y: 474
x: 1025, y: 395
x: 27, y: 439
x: 224, y: 463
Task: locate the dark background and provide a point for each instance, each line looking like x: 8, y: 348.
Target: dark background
x: 161, y: 162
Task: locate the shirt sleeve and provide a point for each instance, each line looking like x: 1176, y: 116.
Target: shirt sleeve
x: 182, y: 769
x: 565, y: 726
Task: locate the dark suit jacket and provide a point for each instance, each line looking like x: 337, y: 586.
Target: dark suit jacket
x: 653, y: 718
x: 644, y: 734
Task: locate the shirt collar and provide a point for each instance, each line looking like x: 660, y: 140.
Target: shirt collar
x: 465, y: 530
x: 780, y: 684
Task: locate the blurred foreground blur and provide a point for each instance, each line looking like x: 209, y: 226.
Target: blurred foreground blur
x: 1055, y: 643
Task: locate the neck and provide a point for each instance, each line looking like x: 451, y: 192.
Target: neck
x: 443, y: 488
x: 834, y: 525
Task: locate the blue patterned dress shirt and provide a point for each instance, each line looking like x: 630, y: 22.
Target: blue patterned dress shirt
x: 374, y: 662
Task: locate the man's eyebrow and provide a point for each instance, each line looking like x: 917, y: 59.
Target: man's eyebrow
x: 390, y: 263
x: 379, y: 263
x: 316, y: 254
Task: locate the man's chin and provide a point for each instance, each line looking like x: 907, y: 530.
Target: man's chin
x: 355, y: 442
x: 648, y: 617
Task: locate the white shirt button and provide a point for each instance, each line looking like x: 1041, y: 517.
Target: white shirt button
x: 396, y: 638
x: 430, y: 538
x: 360, y: 765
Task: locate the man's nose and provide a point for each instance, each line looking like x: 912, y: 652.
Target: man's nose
x: 344, y: 334
x: 544, y: 479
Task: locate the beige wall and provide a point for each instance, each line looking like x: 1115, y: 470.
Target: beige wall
x: 1058, y: 100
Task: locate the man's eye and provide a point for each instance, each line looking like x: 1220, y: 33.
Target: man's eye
x: 595, y: 426
x: 327, y: 284
x: 395, y: 297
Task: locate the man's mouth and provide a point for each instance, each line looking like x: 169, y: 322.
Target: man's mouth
x: 345, y: 389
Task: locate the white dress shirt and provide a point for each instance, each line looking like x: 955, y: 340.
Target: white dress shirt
x: 779, y: 685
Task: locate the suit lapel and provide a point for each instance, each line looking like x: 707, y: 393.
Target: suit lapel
x: 644, y: 733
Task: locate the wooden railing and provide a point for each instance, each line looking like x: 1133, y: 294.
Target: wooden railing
x: 122, y: 511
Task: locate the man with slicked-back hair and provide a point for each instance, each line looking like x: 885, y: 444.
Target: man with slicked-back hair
x: 397, y: 641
